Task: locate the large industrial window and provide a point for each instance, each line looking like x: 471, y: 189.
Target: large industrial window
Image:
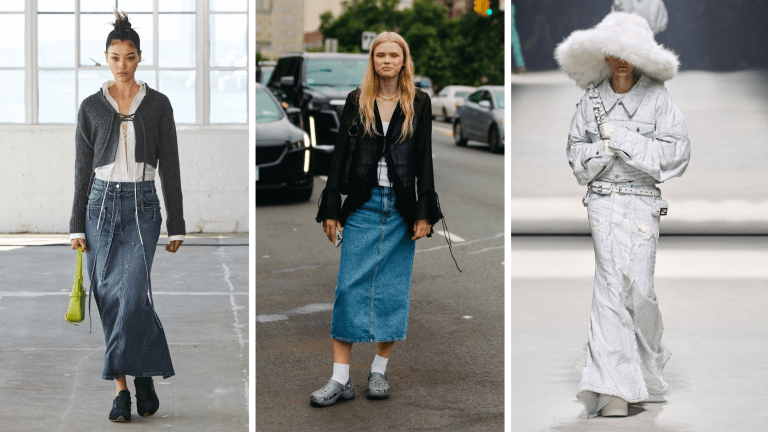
x: 193, y: 51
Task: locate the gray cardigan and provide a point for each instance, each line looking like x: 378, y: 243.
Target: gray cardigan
x: 96, y: 140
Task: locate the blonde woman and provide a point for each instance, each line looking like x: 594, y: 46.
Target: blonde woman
x: 391, y: 203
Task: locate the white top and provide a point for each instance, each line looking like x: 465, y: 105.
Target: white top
x: 125, y: 168
x: 382, y: 170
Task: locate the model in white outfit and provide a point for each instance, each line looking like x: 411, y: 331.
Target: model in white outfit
x: 644, y: 141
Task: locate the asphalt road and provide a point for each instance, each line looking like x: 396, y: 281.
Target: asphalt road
x: 449, y: 373
x: 723, y: 191
x: 712, y: 294
x: 50, y: 371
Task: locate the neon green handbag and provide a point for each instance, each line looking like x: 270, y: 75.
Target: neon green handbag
x: 76, y: 311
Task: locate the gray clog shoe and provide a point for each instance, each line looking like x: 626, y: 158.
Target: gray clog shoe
x: 377, y: 386
x: 331, y: 392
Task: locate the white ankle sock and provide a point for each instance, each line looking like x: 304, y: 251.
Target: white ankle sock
x: 379, y: 364
x: 340, y: 373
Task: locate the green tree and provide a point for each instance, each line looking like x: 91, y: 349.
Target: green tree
x: 467, y: 50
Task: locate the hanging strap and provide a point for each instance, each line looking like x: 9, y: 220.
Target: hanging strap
x: 447, y: 233
x: 597, y: 106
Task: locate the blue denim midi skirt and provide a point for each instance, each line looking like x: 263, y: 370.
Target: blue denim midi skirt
x: 119, y: 262
x: 374, y: 283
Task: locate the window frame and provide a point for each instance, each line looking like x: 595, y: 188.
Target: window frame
x: 202, y: 65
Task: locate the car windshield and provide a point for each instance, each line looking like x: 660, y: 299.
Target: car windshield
x: 461, y: 94
x: 499, y: 95
x: 336, y: 72
x: 266, y: 109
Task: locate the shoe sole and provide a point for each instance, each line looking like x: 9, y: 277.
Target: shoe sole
x: 376, y: 396
x: 120, y: 419
x: 345, y: 395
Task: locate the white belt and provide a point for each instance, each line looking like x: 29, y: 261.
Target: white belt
x: 603, y: 187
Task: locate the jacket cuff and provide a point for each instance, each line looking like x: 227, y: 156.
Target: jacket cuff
x: 330, y: 205
x: 429, y: 208
x: 77, y: 236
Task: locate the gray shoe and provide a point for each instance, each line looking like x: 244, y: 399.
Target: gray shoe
x: 331, y: 392
x: 377, y: 386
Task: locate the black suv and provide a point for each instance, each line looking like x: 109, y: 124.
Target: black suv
x: 318, y: 84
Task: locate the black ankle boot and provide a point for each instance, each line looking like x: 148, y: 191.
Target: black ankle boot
x: 147, y: 402
x: 121, y: 407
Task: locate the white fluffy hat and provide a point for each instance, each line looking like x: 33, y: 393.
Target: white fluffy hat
x: 622, y: 35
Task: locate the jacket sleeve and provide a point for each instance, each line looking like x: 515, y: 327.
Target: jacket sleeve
x: 170, y: 177
x: 585, y: 147
x: 428, y: 207
x: 330, y: 198
x: 664, y: 156
x: 83, y: 171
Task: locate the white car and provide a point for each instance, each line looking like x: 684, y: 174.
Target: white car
x: 444, y: 104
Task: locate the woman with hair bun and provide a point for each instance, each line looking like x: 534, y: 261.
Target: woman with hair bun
x: 391, y: 202
x: 125, y: 131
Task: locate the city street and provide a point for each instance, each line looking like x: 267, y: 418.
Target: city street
x: 712, y: 294
x: 449, y: 373
x: 723, y: 191
x: 50, y: 370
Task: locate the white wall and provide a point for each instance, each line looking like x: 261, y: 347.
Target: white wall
x: 37, y: 178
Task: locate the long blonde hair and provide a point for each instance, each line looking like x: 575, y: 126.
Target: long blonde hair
x: 370, y: 87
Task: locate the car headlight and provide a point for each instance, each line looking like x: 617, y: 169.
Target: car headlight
x: 302, y: 143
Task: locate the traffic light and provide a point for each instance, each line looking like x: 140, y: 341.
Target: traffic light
x: 483, y: 7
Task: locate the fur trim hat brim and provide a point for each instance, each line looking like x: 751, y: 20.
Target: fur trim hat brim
x: 622, y: 35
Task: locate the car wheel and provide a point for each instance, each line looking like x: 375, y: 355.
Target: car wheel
x: 457, y: 138
x: 493, y: 140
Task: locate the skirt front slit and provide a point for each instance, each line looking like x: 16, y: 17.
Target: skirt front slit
x: 121, y: 237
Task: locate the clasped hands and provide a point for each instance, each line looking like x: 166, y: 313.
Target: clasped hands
x: 420, y: 229
x: 606, y: 131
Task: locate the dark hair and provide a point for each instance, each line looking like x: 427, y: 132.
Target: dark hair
x: 123, y: 32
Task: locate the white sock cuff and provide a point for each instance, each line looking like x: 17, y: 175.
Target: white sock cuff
x: 340, y: 373
x: 379, y: 364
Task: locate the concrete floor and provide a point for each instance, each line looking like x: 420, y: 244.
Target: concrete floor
x: 50, y: 371
x: 712, y: 293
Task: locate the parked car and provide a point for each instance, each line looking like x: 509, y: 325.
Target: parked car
x: 264, y: 70
x: 480, y: 117
x: 317, y: 84
x: 283, y: 150
x: 444, y: 104
x: 424, y: 84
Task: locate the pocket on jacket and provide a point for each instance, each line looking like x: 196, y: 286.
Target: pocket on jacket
x: 645, y: 129
x: 592, y: 132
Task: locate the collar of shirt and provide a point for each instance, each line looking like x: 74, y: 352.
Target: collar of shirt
x: 136, y: 99
x: 630, y: 101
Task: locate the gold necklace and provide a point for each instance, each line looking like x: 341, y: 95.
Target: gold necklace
x: 390, y: 99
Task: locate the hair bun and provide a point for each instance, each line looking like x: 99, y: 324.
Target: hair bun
x: 122, y: 25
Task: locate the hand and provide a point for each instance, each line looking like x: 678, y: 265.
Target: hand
x: 78, y: 242
x: 606, y: 130
x: 330, y: 226
x: 607, y: 150
x: 420, y: 229
x: 173, y: 246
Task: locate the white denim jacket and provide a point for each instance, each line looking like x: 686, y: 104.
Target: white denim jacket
x: 650, y: 140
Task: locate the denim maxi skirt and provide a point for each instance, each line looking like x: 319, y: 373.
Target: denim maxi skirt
x: 374, y: 282
x: 119, y: 267
x: 624, y: 355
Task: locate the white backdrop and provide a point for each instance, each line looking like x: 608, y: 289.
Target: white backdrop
x: 37, y: 178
